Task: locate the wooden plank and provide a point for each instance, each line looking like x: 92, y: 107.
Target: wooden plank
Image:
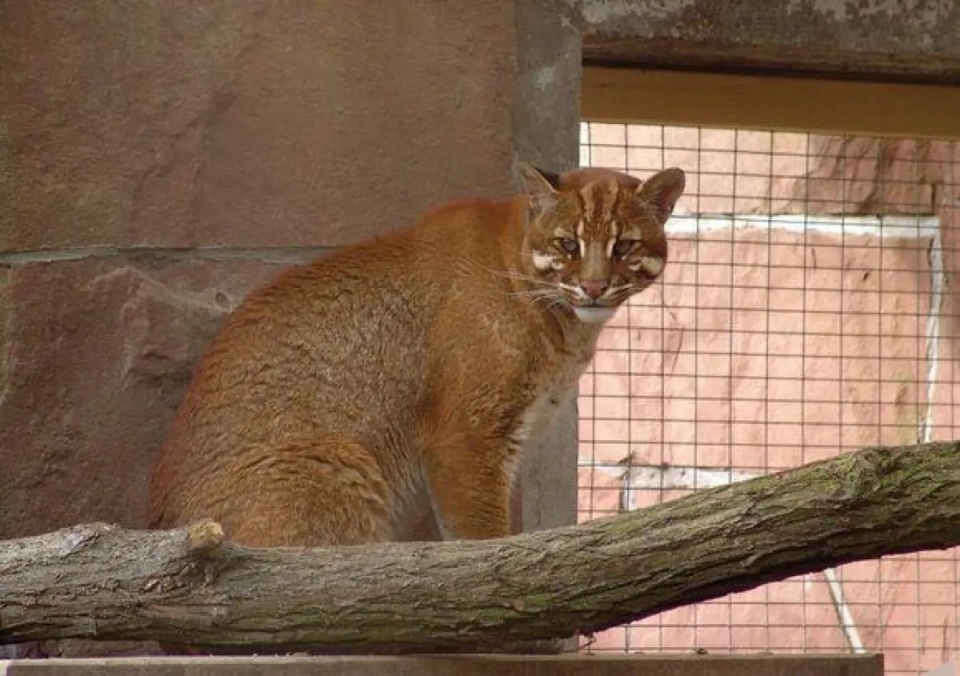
x: 467, y: 665
x: 770, y: 102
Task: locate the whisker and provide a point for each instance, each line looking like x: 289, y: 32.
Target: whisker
x: 510, y: 274
x: 541, y: 295
x: 543, y: 298
x: 530, y: 292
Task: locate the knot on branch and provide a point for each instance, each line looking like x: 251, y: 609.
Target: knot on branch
x: 203, y: 537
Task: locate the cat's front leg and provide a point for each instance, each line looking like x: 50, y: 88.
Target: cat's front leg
x: 470, y: 479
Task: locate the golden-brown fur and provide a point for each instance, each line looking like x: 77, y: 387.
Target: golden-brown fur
x: 354, y: 395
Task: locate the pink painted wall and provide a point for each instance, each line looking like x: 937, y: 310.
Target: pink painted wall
x: 768, y: 347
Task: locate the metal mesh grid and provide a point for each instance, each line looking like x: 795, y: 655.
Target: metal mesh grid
x: 806, y: 311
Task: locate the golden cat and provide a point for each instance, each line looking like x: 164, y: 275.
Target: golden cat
x: 352, y: 396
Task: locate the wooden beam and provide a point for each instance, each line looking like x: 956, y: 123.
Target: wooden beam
x: 469, y: 665
x: 770, y: 102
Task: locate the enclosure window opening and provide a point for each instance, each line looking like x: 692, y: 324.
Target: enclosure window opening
x: 804, y: 313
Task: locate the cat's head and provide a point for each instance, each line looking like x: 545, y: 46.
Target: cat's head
x: 596, y: 236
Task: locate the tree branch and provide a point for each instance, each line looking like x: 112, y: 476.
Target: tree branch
x: 190, y: 586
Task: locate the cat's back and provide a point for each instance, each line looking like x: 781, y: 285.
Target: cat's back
x: 339, y: 341
x: 357, y: 297
x: 338, y: 346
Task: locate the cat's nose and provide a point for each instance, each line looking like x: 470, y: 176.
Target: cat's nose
x: 594, y: 288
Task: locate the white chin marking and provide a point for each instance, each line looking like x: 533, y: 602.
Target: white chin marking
x: 594, y: 315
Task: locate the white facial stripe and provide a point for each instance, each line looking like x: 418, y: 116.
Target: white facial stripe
x: 580, y: 226
x: 576, y: 291
x: 610, y: 244
x: 542, y: 261
x: 652, y: 265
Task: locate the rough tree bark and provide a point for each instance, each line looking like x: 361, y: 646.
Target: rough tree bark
x: 189, y: 585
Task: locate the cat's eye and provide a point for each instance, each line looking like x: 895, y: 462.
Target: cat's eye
x: 623, y: 247
x: 570, y: 246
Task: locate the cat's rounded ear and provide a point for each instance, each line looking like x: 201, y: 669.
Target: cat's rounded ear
x: 541, y: 186
x: 662, y: 190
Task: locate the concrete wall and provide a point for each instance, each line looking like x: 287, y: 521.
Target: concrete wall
x: 872, y: 39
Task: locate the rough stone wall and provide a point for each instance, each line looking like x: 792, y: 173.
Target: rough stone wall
x: 158, y: 160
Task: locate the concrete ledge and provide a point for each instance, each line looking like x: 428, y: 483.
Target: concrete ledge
x: 624, y: 665
x: 869, y: 39
x: 951, y: 668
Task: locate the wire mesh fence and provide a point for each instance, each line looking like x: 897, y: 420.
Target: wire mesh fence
x: 806, y: 311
